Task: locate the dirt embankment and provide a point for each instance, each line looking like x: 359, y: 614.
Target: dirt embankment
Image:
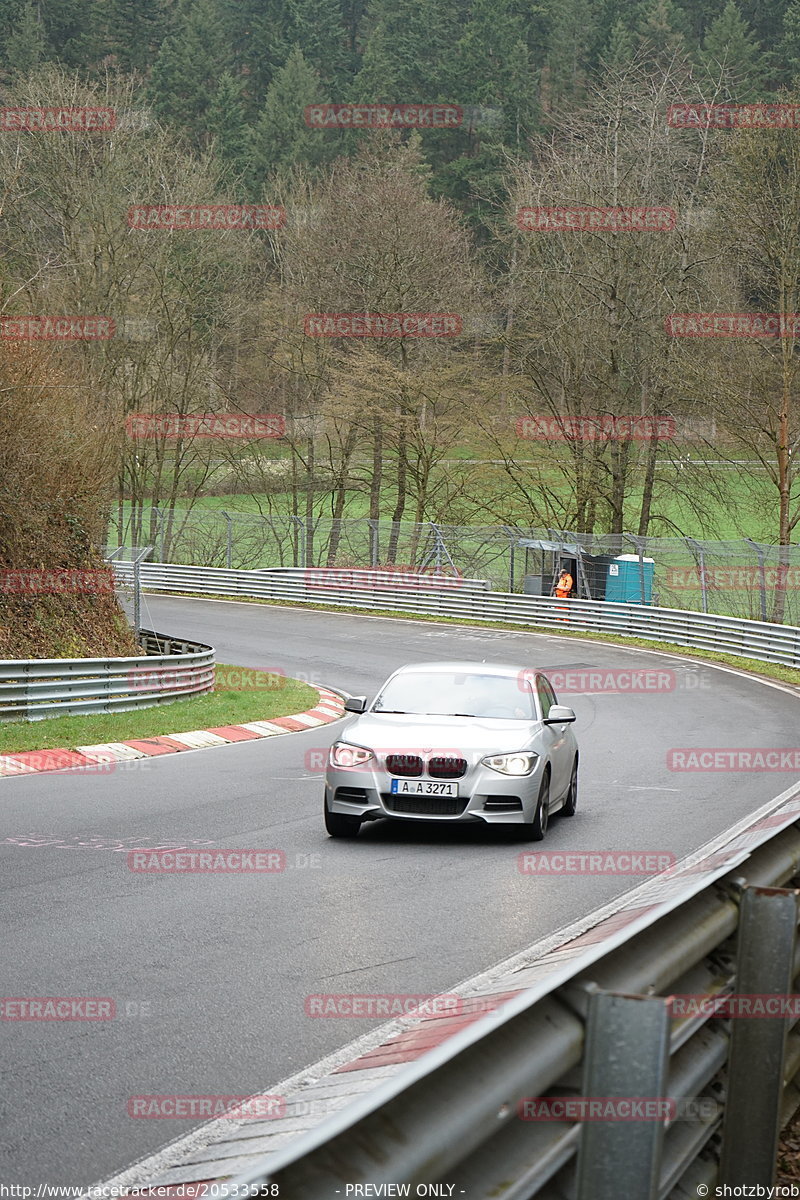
x: 58, y: 455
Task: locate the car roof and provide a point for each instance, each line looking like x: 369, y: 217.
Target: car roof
x: 504, y: 670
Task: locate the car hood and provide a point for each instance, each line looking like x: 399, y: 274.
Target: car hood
x: 467, y: 736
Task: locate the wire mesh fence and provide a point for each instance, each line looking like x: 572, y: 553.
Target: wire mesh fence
x: 736, y: 578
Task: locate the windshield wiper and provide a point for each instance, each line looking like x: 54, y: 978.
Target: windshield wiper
x: 400, y: 712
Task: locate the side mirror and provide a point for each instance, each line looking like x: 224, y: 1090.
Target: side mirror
x: 559, y: 715
x: 356, y: 704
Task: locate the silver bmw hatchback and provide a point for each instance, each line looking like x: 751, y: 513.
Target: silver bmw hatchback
x: 455, y: 741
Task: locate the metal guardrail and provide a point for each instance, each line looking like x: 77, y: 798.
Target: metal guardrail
x: 171, y: 668
x: 594, y: 1028
x: 469, y: 599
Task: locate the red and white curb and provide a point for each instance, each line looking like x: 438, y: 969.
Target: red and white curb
x: 391, y: 1054
x: 31, y: 762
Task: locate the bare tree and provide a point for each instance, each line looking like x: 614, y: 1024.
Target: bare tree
x: 372, y: 241
x: 588, y: 337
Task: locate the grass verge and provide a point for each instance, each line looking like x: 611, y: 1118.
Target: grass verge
x: 220, y: 707
x: 752, y: 666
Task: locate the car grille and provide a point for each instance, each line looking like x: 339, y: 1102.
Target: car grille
x: 425, y: 806
x: 409, y: 766
x: 447, y: 768
x: 351, y: 795
x: 502, y: 804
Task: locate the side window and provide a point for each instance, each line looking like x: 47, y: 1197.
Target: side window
x: 545, y: 693
x: 548, y: 687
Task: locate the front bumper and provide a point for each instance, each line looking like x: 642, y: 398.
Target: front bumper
x: 483, y: 795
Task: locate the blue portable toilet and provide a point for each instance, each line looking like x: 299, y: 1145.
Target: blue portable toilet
x: 624, y: 579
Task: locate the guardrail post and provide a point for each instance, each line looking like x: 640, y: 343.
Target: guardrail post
x: 627, y: 1054
x: 29, y: 712
x: 765, y: 965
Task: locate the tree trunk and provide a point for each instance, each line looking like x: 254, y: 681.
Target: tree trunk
x: 509, y: 328
x: 649, y: 481
x: 619, y: 472
x: 402, y: 491
x: 340, y: 495
x: 784, y: 463
x: 377, y: 470
x: 309, y: 503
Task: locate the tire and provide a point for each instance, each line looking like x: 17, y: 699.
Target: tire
x: 535, y: 831
x: 571, y: 802
x: 340, y: 825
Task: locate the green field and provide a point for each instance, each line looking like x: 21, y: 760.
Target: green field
x: 730, y: 507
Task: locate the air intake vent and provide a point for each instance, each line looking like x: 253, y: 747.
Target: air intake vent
x: 425, y: 806
x: 351, y: 795
x: 502, y: 804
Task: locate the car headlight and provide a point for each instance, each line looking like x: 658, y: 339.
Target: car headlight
x: 344, y: 755
x: 512, y: 764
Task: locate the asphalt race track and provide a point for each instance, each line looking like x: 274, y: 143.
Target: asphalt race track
x: 209, y: 973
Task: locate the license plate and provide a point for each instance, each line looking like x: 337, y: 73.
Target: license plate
x: 423, y: 787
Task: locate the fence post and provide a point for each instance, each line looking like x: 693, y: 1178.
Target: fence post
x: 627, y: 1055
x: 764, y: 967
x: 513, y: 537
x: 137, y: 589
x: 438, y: 551
x: 300, y: 525
x: 690, y: 541
x: 228, y: 540
x: 762, y: 578
x: 438, y: 546
x: 159, y: 534
x: 137, y: 599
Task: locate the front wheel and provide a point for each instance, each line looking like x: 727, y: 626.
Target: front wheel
x: 341, y: 825
x: 535, y: 831
x: 571, y: 802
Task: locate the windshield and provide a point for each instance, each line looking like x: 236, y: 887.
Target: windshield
x: 441, y: 694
